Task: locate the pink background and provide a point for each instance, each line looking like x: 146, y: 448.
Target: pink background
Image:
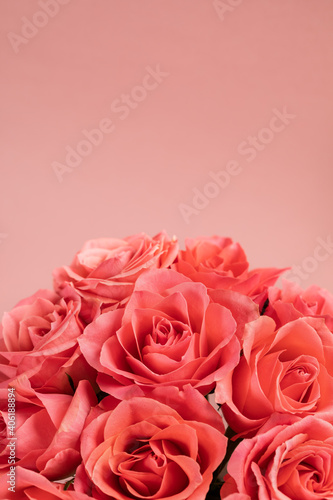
x: 224, y: 74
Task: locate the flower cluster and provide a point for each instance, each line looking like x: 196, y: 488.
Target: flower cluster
x: 151, y: 372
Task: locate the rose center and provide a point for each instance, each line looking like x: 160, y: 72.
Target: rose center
x: 154, y: 463
x: 299, y: 379
x: 144, y: 469
x: 167, y: 332
x: 39, y: 327
x: 310, y: 477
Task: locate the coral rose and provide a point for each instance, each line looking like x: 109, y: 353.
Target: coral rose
x: 292, y: 302
x: 169, y: 333
x: 289, y: 458
x: 212, y: 254
x: 163, y: 448
x: 47, y: 429
x: 220, y: 263
x: 288, y: 371
x: 38, y: 341
x: 104, y: 271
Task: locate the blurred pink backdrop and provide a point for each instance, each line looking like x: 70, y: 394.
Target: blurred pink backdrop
x: 199, y: 117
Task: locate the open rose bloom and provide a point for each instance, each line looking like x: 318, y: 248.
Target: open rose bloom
x: 146, y: 448
x: 288, y: 458
x: 289, y: 370
x: 153, y: 372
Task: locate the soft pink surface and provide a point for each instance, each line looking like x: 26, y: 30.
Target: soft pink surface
x: 223, y: 78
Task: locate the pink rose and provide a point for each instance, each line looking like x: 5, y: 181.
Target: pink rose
x: 47, y: 428
x: 287, y: 371
x: 212, y: 255
x: 169, y: 333
x: 38, y: 340
x: 289, y: 458
x: 29, y: 485
x: 147, y: 448
x: 220, y: 263
x: 292, y: 302
x: 104, y: 271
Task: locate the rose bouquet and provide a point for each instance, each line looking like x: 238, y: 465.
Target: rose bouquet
x: 151, y: 372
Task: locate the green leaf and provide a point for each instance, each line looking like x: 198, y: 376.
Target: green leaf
x: 264, y: 307
x: 71, y: 383
x: 69, y: 482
